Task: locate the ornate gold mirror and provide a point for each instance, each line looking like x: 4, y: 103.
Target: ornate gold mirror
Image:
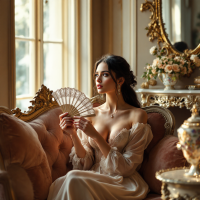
x: 175, y: 24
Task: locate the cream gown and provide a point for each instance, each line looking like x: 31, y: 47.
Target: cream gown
x: 111, y: 178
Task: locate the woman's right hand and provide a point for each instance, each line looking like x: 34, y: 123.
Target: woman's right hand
x: 66, y: 124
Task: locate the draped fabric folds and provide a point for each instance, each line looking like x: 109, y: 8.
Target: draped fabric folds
x: 114, y: 177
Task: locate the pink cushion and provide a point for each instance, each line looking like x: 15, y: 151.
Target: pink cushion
x: 20, y: 182
x: 19, y: 144
x: 157, y: 122
x: 164, y: 155
x: 39, y: 146
x: 56, y: 145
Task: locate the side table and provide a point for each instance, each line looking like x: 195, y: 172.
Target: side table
x: 177, y: 186
x: 169, y: 98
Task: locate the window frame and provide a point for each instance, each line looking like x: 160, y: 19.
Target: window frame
x: 38, y: 43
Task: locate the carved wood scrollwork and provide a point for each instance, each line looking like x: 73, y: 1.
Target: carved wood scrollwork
x: 154, y: 27
x: 42, y: 102
x: 170, y: 101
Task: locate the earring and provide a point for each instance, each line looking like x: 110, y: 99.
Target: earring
x: 118, y: 89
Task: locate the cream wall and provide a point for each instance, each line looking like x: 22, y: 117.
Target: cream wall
x: 4, y: 18
x: 7, y: 77
x: 114, y: 29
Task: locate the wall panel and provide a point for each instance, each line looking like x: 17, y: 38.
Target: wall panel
x: 7, y: 54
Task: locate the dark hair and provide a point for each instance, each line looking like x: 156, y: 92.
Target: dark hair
x: 181, y: 46
x: 121, y: 68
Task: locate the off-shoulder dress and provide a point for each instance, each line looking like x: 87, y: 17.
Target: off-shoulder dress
x: 112, y: 178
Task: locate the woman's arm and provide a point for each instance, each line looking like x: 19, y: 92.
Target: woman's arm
x: 66, y: 124
x: 87, y: 127
x: 80, y: 151
x: 126, y: 162
x: 81, y: 154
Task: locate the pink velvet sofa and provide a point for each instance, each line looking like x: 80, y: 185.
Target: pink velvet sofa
x: 34, y: 151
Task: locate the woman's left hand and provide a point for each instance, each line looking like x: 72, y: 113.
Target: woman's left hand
x: 86, y: 126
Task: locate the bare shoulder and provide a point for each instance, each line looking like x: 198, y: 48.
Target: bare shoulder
x: 138, y: 115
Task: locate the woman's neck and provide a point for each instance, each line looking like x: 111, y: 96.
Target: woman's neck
x: 114, y: 102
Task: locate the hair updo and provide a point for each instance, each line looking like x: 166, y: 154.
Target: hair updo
x: 121, y: 68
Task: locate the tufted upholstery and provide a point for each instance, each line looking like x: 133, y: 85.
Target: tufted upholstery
x: 40, y: 147
x: 56, y: 145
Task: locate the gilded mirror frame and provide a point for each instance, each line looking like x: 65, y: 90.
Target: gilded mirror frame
x: 156, y: 29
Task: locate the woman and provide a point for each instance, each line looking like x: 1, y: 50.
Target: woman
x: 108, y: 148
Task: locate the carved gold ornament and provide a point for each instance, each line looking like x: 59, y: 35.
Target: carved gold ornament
x: 156, y: 30
x: 152, y: 82
x: 167, y: 100
x: 42, y: 102
x: 154, y: 27
x: 145, y: 85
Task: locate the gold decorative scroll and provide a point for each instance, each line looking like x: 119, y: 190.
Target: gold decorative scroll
x: 154, y: 27
x: 42, y: 102
x: 167, y: 100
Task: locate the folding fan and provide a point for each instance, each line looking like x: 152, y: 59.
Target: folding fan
x: 74, y: 102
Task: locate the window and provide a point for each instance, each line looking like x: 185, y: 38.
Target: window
x: 39, y: 47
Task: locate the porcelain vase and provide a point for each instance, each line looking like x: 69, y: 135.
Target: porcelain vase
x: 189, y: 140
x: 168, y: 80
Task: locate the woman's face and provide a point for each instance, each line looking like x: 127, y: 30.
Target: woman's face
x: 104, y: 81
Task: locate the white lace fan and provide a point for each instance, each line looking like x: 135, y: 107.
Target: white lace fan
x: 74, y: 102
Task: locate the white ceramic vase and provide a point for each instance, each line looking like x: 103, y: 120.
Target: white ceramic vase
x: 168, y: 80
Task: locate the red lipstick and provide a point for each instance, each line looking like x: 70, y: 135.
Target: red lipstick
x: 99, y: 86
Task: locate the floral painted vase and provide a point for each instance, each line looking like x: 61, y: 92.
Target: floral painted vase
x: 168, y: 80
x: 189, y: 141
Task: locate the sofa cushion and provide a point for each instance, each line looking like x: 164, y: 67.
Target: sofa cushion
x: 20, y: 182
x: 157, y: 122
x: 164, y: 155
x: 19, y: 144
x: 39, y: 146
x: 56, y: 145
